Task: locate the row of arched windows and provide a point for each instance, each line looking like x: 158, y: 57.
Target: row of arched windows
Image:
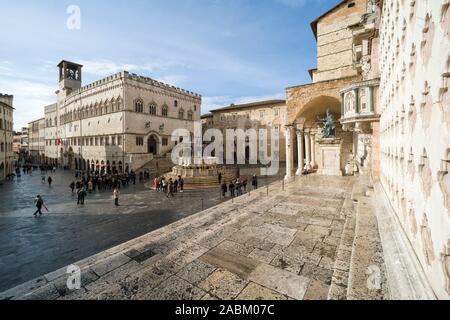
x: 50, y: 123
x: 153, y: 110
x: 97, y: 109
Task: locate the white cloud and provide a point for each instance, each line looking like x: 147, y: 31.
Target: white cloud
x: 104, y: 67
x: 174, y: 80
x: 215, y: 102
x: 29, y: 99
x: 4, y: 69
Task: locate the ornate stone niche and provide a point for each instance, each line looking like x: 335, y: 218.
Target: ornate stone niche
x: 427, y: 38
x: 404, y: 28
x: 427, y: 241
x: 412, y: 11
x: 425, y: 175
x: 426, y: 106
x: 444, y: 181
x: 403, y: 202
x: 411, y: 168
x: 444, y: 79
x: 412, y: 117
x: 445, y: 259
x: 412, y: 54
x: 412, y: 218
x: 445, y: 17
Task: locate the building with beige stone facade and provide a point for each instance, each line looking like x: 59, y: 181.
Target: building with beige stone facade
x: 51, y: 134
x: 36, y: 144
x: 383, y: 70
x: 121, y: 122
x: 6, y: 136
x: 345, y: 82
x: 270, y: 115
x: 415, y: 128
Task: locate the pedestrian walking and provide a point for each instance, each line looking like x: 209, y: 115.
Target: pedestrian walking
x: 39, y: 204
x: 116, y: 193
x: 170, y: 189
x: 224, y: 189
x: 238, y: 187
x: 220, y: 177
x: 81, y: 195
x: 90, y: 186
x: 255, y: 182
x: 72, y: 186
x: 181, y: 185
x: 49, y: 180
x: 231, y: 188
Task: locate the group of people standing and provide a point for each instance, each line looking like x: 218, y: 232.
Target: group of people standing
x: 90, y: 182
x: 236, y: 187
x: 169, y: 186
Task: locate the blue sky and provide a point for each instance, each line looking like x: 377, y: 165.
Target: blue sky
x: 226, y: 50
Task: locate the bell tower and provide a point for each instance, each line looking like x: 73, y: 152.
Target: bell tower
x: 69, y: 77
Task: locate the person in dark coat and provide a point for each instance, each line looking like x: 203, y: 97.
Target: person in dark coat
x: 255, y: 182
x: 39, y: 205
x: 231, y: 188
x: 72, y: 186
x: 224, y: 189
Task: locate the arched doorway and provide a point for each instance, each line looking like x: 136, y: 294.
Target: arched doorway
x: 152, y: 145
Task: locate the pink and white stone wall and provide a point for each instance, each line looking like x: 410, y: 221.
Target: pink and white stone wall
x: 414, y: 61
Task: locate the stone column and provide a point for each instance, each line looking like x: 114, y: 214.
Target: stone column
x: 301, y: 156
x: 289, y: 153
x: 308, y: 150
x: 313, y: 151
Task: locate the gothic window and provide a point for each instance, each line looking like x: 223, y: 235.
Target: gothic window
x: 190, y: 115
x: 349, y: 103
x: 152, y: 109
x: 139, y: 106
x: 164, y: 111
x: 181, y: 114
x: 175, y: 103
x: 139, y: 141
x: 363, y: 100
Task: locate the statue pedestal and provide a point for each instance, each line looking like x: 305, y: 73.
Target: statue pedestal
x: 330, y: 157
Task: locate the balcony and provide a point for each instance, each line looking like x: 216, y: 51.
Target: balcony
x: 358, y: 108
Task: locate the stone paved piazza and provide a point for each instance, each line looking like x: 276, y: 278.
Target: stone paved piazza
x: 292, y: 244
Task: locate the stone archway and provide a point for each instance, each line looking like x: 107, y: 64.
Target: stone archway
x: 308, y: 149
x: 152, y: 144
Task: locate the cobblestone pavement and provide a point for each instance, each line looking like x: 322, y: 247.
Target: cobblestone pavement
x: 31, y: 247
x: 281, y: 246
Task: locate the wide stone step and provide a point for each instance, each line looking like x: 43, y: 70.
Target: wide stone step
x: 367, y: 275
x: 341, y: 268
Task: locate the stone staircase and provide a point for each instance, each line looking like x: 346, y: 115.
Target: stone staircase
x: 359, y: 271
x: 158, y: 166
